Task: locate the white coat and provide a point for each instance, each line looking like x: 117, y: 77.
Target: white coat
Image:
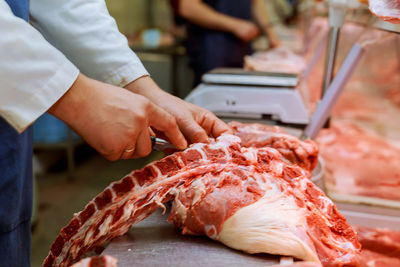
x: 40, y: 62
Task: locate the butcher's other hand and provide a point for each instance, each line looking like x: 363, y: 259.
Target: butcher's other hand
x: 196, y: 123
x: 245, y: 30
x: 113, y: 120
x: 273, y: 39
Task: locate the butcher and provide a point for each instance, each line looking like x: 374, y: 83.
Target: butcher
x: 219, y: 32
x: 74, y: 64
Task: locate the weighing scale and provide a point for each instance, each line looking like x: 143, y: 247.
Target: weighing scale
x: 238, y: 93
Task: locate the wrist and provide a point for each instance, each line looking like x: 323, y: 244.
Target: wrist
x: 146, y: 87
x: 69, y: 107
x: 140, y: 85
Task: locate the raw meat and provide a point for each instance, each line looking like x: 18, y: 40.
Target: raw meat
x: 247, y: 198
x: 388, y: 10
x: 302, y: 153
x: 380, y: 240
x: 359, y: 163
x: 97, y: 261
x: 301, y: 264
x: 369, y: 258
x: 280, y: 60
x: 366, y: 107
x: 393, y: 94
x: 380, y: 247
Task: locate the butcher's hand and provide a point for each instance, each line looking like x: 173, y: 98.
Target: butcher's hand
x: 245, y: 30
x: 273, y: 38
x: 196, y: 123
x: 113, y: 120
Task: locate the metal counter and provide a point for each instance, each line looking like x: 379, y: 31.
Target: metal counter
x: 155, y: 242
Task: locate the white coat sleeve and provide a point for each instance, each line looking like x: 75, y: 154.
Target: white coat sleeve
x: 33, y: 73
x: 86, y: 33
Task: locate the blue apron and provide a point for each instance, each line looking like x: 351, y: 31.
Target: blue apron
x: 209, y: 49
x: 15, y: 183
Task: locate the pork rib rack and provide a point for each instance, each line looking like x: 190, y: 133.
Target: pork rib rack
x: 247, y: 198
x: 302, y: 153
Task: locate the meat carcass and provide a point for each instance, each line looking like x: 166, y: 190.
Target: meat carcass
x: 302, y: 153
x: 97, y: 261
x: 380, y: 247
x: 247, y: 198
x: 388, y: 10
x: 276, y: 60
x: 359, y: 163
x: 393, y: 94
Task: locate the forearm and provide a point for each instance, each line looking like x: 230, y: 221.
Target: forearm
x: 203, y: 15
x: 260, y: 14
x: 146, y: 87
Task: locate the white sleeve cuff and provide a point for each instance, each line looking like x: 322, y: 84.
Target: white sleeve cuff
x: 126, y: 74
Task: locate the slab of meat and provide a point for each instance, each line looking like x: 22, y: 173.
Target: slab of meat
x: 280, y: 60
x: 300, y: 264
x: 247, y: 198
x: 380, y: 246
x: 359, y: 163
x: 379, y: 240
x: 97, y: 261
x: 302, y: 153
x: 388, y: 10
x: 393, y: 94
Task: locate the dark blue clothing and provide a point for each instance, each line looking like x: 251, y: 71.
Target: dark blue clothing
x: 15, y: 183
x: 209, y: 49
x: 20, y: 8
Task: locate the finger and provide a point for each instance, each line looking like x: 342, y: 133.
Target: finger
x: 152, y: 133
x: 194, y: 132
x: 214, y: 126
x: 217, y: 126
x: 163, y: 121
x: 143, y: 144
x: 128, y: 152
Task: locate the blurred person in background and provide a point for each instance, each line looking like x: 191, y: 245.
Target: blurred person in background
x: 79, y: 68
x: 220, y: 31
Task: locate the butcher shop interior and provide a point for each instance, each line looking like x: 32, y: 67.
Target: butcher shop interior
x: 289, y: 112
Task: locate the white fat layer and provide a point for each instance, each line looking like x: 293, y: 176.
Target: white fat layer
x: 269, y: 226
x: 199, y: 190
x: 105, y: 226
x: 178, y: 207
x: 251, y: 155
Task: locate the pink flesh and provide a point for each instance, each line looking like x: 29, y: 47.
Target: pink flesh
x: 388, y: 10
x: 358, y: 163
x: 234, y: 177
x: 97, y: 261
x: 393, y: 94
x: 380, y: 240
x: 380, y: 247
x: 305, y: 154
x: 276, y: 60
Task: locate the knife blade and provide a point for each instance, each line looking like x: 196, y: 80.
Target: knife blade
x: 162, y: 145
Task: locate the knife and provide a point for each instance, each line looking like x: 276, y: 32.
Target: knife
x: 162, y: 145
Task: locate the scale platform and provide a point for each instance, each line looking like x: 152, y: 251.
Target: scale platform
x: 248, y: 77
x: 237, y: 93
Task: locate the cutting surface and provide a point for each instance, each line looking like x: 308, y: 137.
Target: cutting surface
x: 155, y: 242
